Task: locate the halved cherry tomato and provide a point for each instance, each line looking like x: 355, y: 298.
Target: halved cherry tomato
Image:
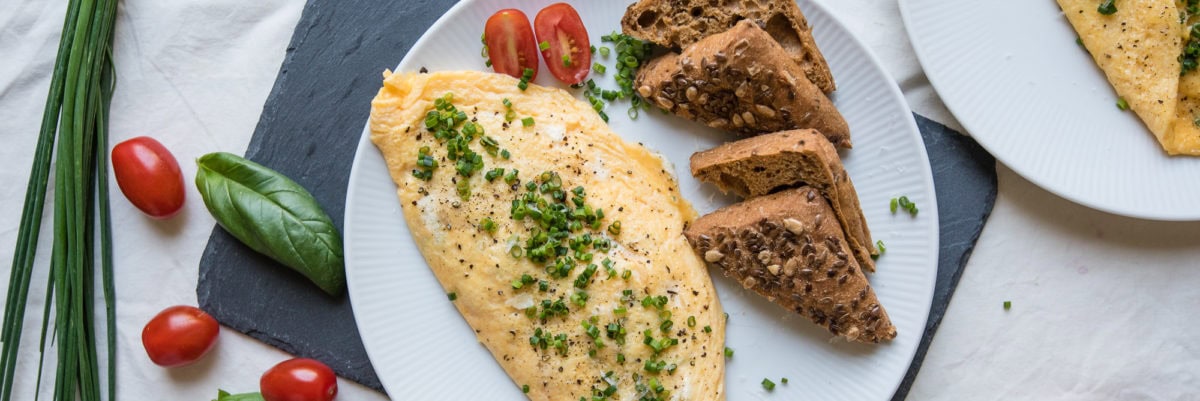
x: 299, y: 379
x: 148, y: 176
x: 568, y: 54
x: 179, y: 335
x: 509, y: 39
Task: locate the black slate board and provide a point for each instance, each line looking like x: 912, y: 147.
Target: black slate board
x: 319, y: 103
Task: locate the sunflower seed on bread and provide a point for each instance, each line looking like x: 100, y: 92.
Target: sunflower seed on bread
x: 782, y: 248
x: 679, y: 23
x: 742, y: 81
x: 767, y: 163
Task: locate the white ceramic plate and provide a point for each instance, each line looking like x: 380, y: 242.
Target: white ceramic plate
x: 1017, y: 81
x: 423, y: 350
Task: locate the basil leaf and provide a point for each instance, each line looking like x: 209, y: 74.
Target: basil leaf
x: 223, y: 395
x: 273, y: 215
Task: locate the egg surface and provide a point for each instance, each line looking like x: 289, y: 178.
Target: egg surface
x: 561, y: 243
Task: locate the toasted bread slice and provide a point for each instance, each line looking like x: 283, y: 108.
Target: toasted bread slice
x: 767, y: 163
x: 785, y: 247
x: 740, y: 80
x: 679, y: 23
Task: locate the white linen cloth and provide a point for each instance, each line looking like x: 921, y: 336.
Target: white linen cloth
x: 1103, y: 307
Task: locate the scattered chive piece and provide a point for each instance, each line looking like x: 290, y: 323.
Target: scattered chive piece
x: 487, y: 225
x: 526, y: 76
x: 527, y: 121
x: 893, y: 205
x: 1007, y: 305
x: 566, y: 58
x: 1107, y: 7
x: 452, y: 296
x: 707, y: 329
x: 768, y: 384
x: 1122, y: 104
x: 525, y: 388
x: 784, y: 380
x: 604, y: 51
x: 1078, y: 41
x: 728, y: 352
x: 544, y: 45
x: 882, y: 249
x: 599, y: 68
x: 905, y: 204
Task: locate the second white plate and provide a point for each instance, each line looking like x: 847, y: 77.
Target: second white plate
x: 1012, y: 74
x: 423, y: 350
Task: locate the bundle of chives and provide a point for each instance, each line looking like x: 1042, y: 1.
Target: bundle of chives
x: 77, y: 110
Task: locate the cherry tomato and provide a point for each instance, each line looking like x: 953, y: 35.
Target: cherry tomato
x: 148, y: 176
x: 179, y: 335
x: 568, y: 54
x: 509, y: 39
x: 299, y: 379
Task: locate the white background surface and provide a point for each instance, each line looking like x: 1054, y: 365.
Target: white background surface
x: 1103, y: 306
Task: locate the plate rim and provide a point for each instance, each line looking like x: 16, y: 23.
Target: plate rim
x: 1024, y: 170
x: 892, y: 89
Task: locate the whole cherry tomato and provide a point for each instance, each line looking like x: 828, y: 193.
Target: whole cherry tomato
x: 510, y: 44
x: 179, y: 335
x: 148, y: 176
x: 299, y: 379
x: 564, y: 42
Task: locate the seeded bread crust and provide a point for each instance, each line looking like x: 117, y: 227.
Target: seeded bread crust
x: 742, y: 81
x: 679, y: 23
x: 784, y: 247
x: 767, y: 163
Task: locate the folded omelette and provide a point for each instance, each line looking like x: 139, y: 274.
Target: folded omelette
x: 1147, y: 52
x: 559, y: 243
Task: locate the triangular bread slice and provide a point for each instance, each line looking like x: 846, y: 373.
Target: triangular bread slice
x: 741, y: 81
x: 763, y: 164
x: 785, y: 247
x: 1137, y: 47
x: 679, y: 23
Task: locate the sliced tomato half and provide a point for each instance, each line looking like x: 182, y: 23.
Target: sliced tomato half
x: 564, y: 42
x: 510, y: 43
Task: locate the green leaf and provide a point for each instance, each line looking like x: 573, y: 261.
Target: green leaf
x: 223, y: 395
x: 273, y: 215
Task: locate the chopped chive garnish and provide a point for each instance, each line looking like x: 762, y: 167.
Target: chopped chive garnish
x: 525, y: 388
x: 544, y: 45
x: 487, y: 225
x: 527, y: 121
x: 1107, y: 7
x: 599, y: 68
x: 1122, y: 104
x: 1007, y: 305
x: 691, y: 321
x: 452, y: 296
x: 728, y: 352
x: 768, y: 384
x: 604, y: 51
x: 784, y: 380
x: 708, y: 329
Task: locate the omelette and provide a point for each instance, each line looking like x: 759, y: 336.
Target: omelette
x: 1148, y: 53
x: 560, y: 243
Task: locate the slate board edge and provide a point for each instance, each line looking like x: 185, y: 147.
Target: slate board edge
x: 945, y: 286
x: 309, y: 18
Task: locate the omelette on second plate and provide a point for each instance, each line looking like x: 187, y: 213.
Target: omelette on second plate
x: 560, y: 244
x: 1149, y: 51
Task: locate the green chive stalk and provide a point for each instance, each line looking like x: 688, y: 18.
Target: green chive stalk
x: 76, y: 110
